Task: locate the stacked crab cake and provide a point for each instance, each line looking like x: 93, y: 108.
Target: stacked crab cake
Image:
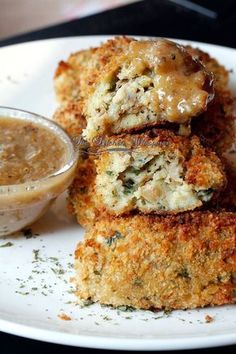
x: 148, y: 185
x: 156, y: 172
x: 173, y: 262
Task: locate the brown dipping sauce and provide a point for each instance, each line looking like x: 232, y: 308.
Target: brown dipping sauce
x: 28, y: 151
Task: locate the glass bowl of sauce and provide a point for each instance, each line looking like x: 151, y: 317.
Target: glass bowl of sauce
x: 37, y: 163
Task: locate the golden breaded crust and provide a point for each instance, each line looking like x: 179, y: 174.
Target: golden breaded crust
x: 156, y: 172
x: 177, y: 262
x: 67, y: 80
x: 100, y: 58
x: 69, y: 115
x: 82, y: 199
x: 74, y: 77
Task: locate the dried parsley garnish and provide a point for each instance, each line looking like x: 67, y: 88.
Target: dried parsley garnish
x: 36, y: 255
x: 28, y: 233
x: 126, y: 308
x: 8, y: 244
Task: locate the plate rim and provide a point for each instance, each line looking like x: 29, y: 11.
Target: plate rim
x: 110, y: 36
x: 114, y: 343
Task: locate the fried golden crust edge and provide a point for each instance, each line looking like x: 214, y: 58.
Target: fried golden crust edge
x: 149, y: 262
x: 82, y: 199
x: 70, y: 117
x: 74, y: 77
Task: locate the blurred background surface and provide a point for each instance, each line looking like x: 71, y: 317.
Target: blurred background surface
x: 19, y: 16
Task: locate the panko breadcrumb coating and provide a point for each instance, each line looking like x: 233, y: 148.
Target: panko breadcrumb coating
x: 69, y: 115
x: 82, y: 200
x: 149, y: 262
x: 74, y: 77
x: 82, y: 197
x: 67, y: 78
x: 156, y: 172
x: 151, y: 83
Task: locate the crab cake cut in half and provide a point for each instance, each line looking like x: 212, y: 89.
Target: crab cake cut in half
x: 153, y: 82
x: 156, y: 172
x: 154, y: 262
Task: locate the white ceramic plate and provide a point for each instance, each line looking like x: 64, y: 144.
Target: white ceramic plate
x: 35, y: 291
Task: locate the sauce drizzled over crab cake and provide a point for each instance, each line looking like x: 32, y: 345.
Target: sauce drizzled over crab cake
x: 152, y: 83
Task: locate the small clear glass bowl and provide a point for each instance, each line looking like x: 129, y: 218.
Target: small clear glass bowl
x: 22, y: 204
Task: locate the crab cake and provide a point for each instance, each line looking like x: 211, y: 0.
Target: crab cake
x: 152, y: 262
x: 86, y: 206
x: 87, y: 198
x: 156, y: 172
x: 74, y: 76
x: 153, y: 82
